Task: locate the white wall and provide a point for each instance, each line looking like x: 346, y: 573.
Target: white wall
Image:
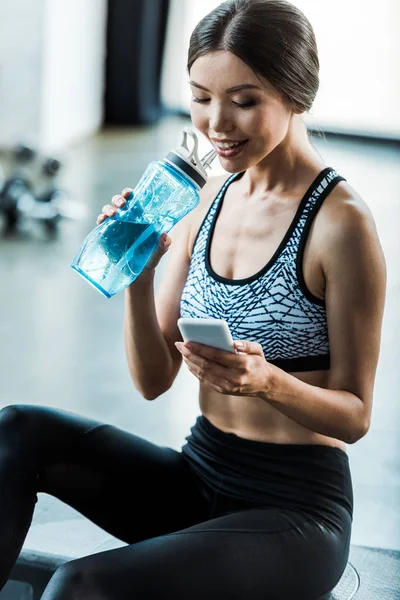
x: 51, y: 70
x: 182, y: 18
x: 359, y: 50
x: 73, y: 70
x: 21, y: 47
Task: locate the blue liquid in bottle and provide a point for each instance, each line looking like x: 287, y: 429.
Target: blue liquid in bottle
x: 114, y: 254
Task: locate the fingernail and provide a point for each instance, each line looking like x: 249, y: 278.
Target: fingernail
x: 239, y: 345
x: 179, y: 346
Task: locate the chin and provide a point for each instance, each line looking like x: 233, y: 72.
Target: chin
x: 236, y: 165
x: 229, y: 168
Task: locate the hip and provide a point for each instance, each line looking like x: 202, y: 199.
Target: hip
x: 313, y: 479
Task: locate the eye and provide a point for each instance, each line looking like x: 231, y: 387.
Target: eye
x: 245, y: 104
x: 200, y: 100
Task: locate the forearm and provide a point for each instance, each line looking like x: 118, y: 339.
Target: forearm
x: 334, y: 413
x: 148, y: 356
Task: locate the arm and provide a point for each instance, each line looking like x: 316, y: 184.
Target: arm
x: 150, y: 322
x: 355, y: 275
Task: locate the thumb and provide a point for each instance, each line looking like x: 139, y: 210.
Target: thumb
x: 164, y: 243
x: 248, y: 347
x: 163, y: 246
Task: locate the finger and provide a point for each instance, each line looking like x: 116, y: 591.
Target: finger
x: 101, y: 218
x: 127, y: 192
x: 118, y: 201
x: 206, y: 366
x: 227, y: 359
x: 164, y: 241
x: 217, y: 383
x: 163, y: 245
x: 109, y: 210
x: 248, y: 347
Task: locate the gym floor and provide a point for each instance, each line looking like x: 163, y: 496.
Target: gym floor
x: 63, y: 343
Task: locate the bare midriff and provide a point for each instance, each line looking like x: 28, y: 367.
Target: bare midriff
x: 254, y: 419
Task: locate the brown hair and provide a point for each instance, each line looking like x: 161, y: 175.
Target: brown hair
x: 272, y: 37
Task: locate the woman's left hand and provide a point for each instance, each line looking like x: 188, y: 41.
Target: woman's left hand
x: 244, y: 374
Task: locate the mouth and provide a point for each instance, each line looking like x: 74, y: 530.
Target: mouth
x: 229, y: 149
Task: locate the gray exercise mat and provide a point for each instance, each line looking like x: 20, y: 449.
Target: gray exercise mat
x: 371, y: 574
x: 347, y: 587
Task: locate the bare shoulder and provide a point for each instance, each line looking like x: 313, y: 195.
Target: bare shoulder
x: 346, y: 230
x: 343, y: 215
x: 345, y: 201
x: 207, y: 195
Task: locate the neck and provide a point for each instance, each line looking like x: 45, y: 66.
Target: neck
x: 293, y: 160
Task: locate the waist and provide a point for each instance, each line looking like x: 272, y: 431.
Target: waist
x: 254, y: 419
x: 313, y: 478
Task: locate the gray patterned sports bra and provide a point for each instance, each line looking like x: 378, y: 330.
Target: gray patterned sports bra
x: 273, y: 307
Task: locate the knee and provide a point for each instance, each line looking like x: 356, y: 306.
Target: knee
x: 13, y: 416
x: 15, y: 425
x: 71, y: 581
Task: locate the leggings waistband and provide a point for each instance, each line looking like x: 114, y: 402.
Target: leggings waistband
x: 312, y: 477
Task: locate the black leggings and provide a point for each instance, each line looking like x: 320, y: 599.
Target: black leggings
x: 184, y: 541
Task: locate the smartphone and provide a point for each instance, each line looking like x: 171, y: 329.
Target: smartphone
x: 210, y: 332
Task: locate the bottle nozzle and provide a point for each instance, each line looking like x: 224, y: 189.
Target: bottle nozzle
x: 188, y: 160
x: 208, y: 159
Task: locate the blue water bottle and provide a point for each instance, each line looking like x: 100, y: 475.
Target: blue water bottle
x: 113, y: 255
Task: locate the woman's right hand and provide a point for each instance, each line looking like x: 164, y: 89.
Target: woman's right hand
x: 119, y: 201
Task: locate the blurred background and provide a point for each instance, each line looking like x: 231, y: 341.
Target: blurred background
x: 90, y: 92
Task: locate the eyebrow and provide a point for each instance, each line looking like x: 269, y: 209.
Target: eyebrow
x: 237, y: 88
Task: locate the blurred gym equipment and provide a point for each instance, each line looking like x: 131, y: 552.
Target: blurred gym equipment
x: 29, y: 191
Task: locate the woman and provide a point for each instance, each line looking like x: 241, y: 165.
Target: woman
x: 258, y: 504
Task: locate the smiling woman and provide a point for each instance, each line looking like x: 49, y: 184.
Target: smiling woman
x: 259, y: 502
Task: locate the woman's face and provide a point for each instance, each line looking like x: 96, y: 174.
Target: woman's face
x: 230, y: 104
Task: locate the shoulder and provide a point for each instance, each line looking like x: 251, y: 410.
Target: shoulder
x: 346, y: 226
x: 207, y: 195
x: 344, y: 209
x: 343, y: 213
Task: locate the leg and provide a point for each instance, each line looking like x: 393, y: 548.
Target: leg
x: 257, y: 554
x: 131, y: 488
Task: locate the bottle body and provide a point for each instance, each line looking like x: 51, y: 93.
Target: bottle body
x: 113, y: 255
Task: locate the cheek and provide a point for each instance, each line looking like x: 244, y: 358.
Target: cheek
x: 272, y: 128
x: 198, y: 117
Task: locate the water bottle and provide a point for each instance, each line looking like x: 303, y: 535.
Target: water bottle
x: 113, y: 255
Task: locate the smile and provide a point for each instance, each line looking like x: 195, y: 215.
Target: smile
x: 229, y: 149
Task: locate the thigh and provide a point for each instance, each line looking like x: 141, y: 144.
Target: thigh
x: 128, y: 486
x: 253, y: 554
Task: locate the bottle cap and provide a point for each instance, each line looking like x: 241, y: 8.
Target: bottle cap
x: 188, y: 161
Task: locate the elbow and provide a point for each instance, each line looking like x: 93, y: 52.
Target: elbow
x: 154, y: 393
x: 358, y: 432
x: 150, y: 395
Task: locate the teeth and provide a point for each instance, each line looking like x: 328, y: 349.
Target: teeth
x: 224, y: 145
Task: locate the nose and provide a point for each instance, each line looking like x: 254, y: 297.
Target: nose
x: 220, y: 120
